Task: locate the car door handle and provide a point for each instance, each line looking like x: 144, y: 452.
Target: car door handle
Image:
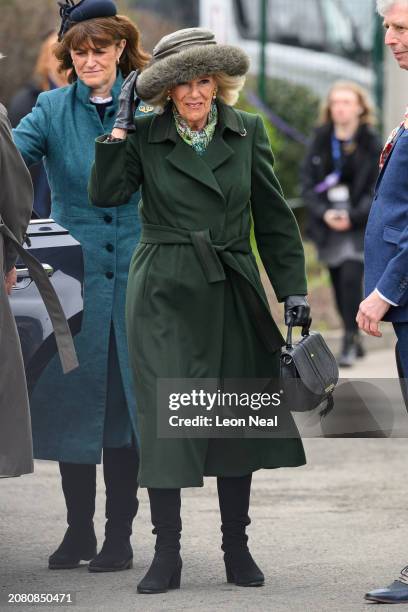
x: 24, y: 272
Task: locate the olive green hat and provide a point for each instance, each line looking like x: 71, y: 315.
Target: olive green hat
x: 186, y: 55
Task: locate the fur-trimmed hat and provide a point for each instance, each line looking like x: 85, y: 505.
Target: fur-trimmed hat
x: 186, y: 55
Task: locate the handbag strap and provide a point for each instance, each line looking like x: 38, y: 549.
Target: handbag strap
x: 305, y: 332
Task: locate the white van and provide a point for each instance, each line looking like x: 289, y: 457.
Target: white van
x: 310, y: 42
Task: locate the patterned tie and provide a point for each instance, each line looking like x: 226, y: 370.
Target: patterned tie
x: 391, y: 141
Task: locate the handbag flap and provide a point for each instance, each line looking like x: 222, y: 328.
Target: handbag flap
x: 315, y: 364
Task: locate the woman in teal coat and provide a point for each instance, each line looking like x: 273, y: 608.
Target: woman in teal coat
x: 196, y: 308
x: 74, y: 417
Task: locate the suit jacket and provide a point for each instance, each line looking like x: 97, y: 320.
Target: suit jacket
x: 16, y: 196
x: 386, y: 238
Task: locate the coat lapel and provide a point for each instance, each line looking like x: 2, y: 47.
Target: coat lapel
x: 381, y: 174
x: 186, y: 160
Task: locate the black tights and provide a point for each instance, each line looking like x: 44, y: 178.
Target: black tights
x: 347, y: 281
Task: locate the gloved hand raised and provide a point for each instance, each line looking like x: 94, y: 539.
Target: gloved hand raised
x: 297, y: 310
x: 127, y: 103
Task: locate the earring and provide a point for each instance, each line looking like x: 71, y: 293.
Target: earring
x: 168, y: 96
x: 214, y: 94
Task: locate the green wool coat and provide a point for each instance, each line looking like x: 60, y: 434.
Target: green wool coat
x: 196, y: 307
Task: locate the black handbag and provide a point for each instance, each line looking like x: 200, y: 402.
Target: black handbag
x: 308, y: 371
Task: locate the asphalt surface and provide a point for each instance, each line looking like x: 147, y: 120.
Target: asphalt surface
x: 323, y: 533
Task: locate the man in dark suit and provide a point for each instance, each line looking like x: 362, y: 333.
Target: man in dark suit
x: 386, y: 244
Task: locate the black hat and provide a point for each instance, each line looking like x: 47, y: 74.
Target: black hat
x: 72, y: 13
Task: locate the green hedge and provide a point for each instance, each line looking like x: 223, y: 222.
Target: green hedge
x: 298, y: 106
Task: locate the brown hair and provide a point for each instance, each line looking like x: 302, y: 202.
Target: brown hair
x: 367, y: 116
x: 102, y: 32
x: 46, y: 63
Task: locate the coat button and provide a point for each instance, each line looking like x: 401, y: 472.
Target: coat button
x: 108, y: 218
x: 109, y: 247
x: 111, y: 113
x: 109, y: 275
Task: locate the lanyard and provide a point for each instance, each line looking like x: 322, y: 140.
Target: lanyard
x: 333, y: 178
x: 336, y: 154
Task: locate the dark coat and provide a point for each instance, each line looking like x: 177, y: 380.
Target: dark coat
x: 187, y: 313
x: 16, y: 196
x: 318, y: 164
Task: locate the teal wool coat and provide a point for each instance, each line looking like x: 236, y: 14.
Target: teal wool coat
x: 72, y: 416
x: 188, y: 312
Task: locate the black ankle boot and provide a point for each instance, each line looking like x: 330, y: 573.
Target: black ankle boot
x: 233, y: 496
x: 242, y: 570
x: 79, y: 542
x: 165, y: 571
x: 115, y: 555
x: 120, y: 468
x: 348, y: 354
x: 163, y: 574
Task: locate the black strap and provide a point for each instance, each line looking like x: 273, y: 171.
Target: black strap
x: 63, y: 335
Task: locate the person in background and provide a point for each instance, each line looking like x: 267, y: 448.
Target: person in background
x: 91, y: 412
x: 45, y: 77
x: 338, y: 178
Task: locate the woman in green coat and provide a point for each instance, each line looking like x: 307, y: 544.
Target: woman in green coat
x: 196, y: 308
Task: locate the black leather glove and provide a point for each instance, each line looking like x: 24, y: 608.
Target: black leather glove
x: 297, y: 310
x: 127, y: 103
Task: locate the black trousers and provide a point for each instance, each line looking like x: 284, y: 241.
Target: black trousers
x: 347, y: 281
x: 120, y: 469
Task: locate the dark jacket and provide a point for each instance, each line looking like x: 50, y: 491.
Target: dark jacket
x: 21, y: 105
x: 363, y: 168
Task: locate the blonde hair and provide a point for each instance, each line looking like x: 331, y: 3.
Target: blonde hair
x: 228, y: 89
x: 367, y: 116
x: 42, y: 65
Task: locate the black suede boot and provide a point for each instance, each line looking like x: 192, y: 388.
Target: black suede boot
x: 120, y: 468
x: 79, y: 542
x: 233, y: 496
x: 165, y: 570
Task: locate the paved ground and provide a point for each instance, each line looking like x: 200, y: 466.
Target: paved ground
x: 322, y: 533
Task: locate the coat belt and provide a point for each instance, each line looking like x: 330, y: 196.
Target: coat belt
x: 63, y: 335
x: 211, y: 257
x: 208, y: 252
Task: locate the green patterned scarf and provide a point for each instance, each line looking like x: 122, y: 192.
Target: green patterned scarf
x: 198, y: 139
